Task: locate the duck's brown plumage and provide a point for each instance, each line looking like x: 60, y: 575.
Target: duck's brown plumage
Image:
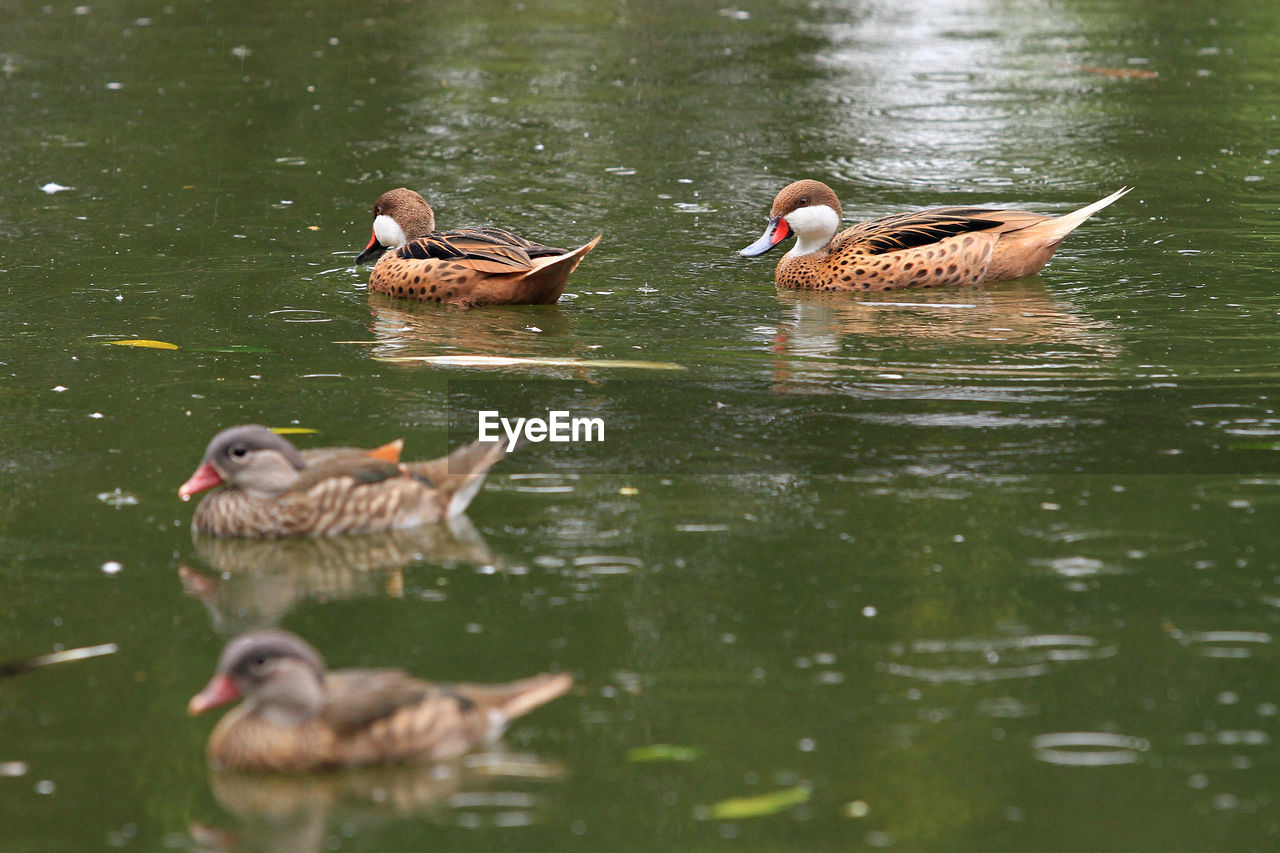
x: 929, y: 248
x: 270, y: 489
x: 469, y: 267
x: 297, y: 717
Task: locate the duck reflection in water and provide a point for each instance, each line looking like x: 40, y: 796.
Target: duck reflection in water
x: 259, y: 581
x: 1022, y: 314
x: 300, y: 814
x: 409, y: 330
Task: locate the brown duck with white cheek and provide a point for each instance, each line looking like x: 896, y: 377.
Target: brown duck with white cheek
x: 468, y: 267
x: 298, y: 717
x: 930, y: 248
x: 271, y: 489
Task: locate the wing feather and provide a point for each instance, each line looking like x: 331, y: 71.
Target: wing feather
x: 359, y: 698
x: 908, y: 230
x: 485, y: 249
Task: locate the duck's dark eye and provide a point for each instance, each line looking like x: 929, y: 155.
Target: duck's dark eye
x: 239, y: 450
x: 803, y: 202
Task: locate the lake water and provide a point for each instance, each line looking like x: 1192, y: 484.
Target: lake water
x: 984, y: 569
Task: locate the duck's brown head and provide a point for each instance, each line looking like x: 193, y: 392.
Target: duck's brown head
x: 808, y: 209
x: 278, y: 673
x: 251, y: 458
x: 399, y: 215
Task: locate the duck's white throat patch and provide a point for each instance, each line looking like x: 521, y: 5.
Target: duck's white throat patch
x: 814, y: 227
x: 388, y: 231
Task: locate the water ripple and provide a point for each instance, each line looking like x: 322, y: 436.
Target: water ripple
x: 984, y: 660
x: 1088, y: 749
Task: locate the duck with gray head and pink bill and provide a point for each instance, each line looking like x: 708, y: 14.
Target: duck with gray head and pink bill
x: 298, y: 716
x: 942, y: 246
x: 271, y: 489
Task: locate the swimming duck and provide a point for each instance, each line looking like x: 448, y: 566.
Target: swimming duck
x: 468, y: 267
x: 297, y: 717
x: 271, y: 489
x: 928, y: 248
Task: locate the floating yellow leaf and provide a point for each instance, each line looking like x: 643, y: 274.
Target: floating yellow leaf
x: 663, y: 752
x: 141, y: 342
x: 294, y: 430
x: 513, y: 361
x: 765, y: 804
x: 313, y: 227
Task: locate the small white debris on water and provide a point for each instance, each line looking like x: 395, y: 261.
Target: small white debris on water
x: 240, y: 51
x: 52, y: 188
x: 97, y: 416
x: 60, y: 388
x: 869, y: 611
x: 13, y: 768
x: 111, y: 567
x: 115, y: 87
x: 45, y: 786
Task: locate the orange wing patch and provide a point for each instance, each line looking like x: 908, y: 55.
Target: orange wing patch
x: 389, y: 452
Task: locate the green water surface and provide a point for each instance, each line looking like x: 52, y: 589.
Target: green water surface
x: 984, y: 569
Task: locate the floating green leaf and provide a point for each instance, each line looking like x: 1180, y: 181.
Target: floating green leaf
x: 765, y: 804
x: 141, y: 342
x: 294, y: 430
x: 663, y: 752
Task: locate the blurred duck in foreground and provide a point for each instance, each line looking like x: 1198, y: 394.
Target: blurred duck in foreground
x: 929, y: 248
x: 297, y: 717
x: 271, y: 489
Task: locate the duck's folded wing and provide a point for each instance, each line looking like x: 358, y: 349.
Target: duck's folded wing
x: 361, y: 466
x: 532, y: 249
x: 358, y: 698
x: 908, y: 230
x: 490, y: 250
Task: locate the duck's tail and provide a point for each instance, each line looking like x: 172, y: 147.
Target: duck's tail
x: 1024, y: 248
x: 517, y: 698
x: 460, y: 475
x: 545, y: 282
x: 1054, y: 231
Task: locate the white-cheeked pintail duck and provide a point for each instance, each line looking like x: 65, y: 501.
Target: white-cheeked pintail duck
x: 298, y: 717
x: 942, y: 246
x: 468, y: 267
x: 270, y: 489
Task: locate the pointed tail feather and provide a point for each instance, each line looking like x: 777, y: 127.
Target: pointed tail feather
x: 1055, y: 230
x: 460, y: 474
x: 549, y: 275
x: 573, y: 258
x: 517, y: 698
